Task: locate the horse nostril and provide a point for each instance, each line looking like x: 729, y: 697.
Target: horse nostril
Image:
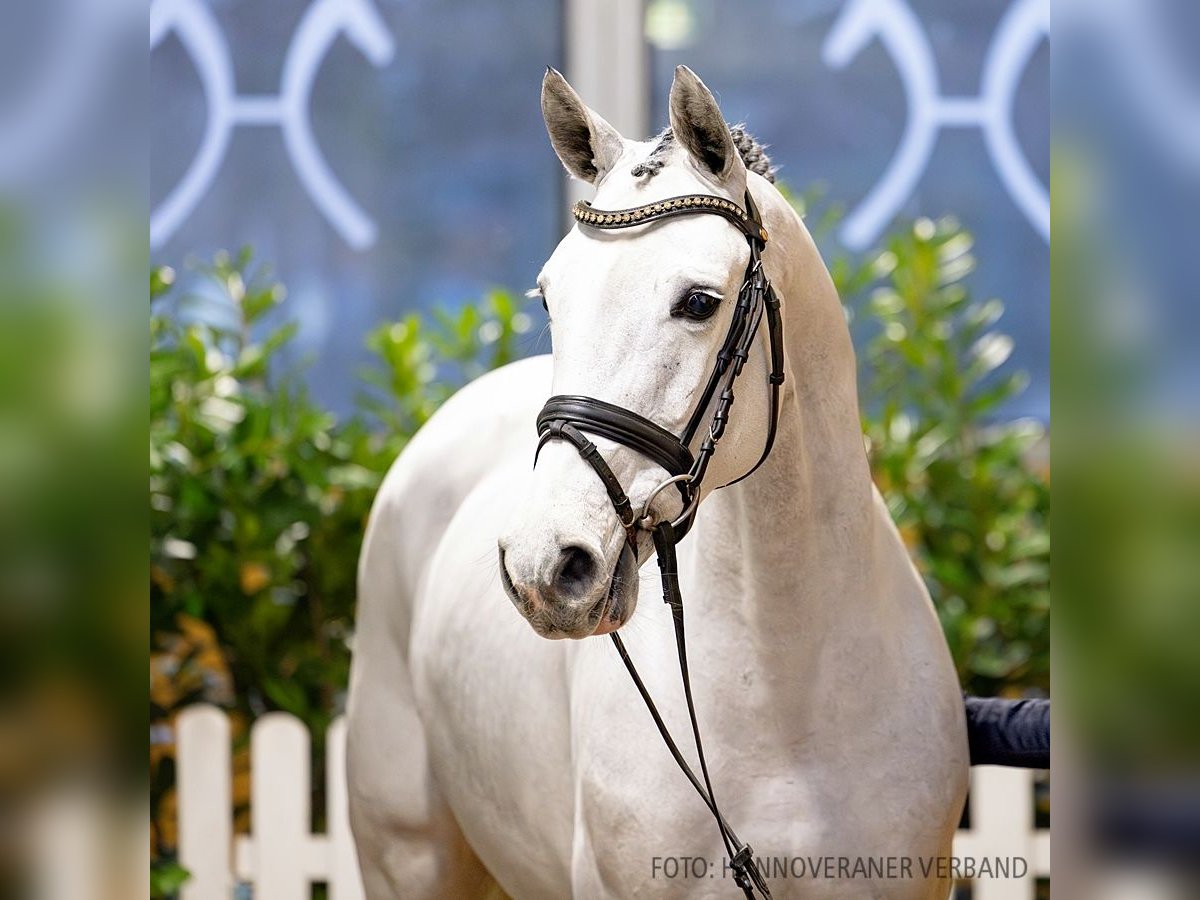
x: 505, y: 578
x: 577, y: 571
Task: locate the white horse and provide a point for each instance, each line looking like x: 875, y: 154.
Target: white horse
x: 483, y: 754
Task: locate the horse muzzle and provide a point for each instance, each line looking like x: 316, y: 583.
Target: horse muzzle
x: 569, y: 591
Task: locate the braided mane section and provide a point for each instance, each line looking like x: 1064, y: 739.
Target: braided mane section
x: 753, y: 154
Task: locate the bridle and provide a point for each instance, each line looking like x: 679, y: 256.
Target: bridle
x: 566, y: 417
x: 571, y: 417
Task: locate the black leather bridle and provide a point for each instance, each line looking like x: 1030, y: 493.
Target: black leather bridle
x: 572, y: 417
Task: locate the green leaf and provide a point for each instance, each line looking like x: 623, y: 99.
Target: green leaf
x: 166, y: 878
x: 287, y: 695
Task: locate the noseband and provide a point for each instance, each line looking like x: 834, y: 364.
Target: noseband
x: 571, y: 417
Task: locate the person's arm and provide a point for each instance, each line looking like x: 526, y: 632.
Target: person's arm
x: 1008, y: 732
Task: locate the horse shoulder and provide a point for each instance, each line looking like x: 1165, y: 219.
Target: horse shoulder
x: 484, y: 423
x: 406, y: 832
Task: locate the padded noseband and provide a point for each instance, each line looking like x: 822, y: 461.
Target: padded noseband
x: 624, y: 427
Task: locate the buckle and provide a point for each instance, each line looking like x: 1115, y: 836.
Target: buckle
x: 741, y: 863
x: 646, y: 519
x: 743, y: 857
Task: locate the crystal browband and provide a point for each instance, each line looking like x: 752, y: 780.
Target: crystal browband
x: 638, y: 215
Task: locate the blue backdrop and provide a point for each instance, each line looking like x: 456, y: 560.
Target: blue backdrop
x: 386, y: 155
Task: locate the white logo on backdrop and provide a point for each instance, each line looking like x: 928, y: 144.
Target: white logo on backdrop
x: 288, y: 110
x: 1024, y: 25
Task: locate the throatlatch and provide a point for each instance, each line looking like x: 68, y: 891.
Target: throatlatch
x: 568, y: 417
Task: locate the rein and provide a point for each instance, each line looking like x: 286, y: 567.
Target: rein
x: 567, y: 418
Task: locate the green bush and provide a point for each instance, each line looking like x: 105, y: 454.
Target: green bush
x: 969, y: 490
x: 258, y: 496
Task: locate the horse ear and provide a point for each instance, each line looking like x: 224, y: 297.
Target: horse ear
x: 697, y: 122
x: 587, y: 145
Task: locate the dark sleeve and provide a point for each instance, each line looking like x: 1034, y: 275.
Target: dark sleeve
x: 1008, y: 732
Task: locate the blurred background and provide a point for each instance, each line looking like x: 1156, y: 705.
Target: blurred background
x: 345, y: 200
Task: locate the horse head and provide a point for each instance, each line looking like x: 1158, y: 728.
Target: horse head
x: 639, y: 316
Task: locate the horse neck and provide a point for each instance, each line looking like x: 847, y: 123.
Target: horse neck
x: 790, y: 553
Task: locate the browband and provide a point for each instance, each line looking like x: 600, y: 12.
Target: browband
x: 747, y: 223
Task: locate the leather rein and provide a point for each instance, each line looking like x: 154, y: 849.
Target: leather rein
x: 570, y: 418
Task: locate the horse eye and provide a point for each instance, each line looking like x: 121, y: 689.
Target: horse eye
x: 697, y: 305
x: 545, y: 306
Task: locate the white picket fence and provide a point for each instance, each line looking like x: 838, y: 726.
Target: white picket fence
x: 281, y: 858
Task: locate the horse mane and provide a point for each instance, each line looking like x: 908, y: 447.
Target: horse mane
x: 753, y: 154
